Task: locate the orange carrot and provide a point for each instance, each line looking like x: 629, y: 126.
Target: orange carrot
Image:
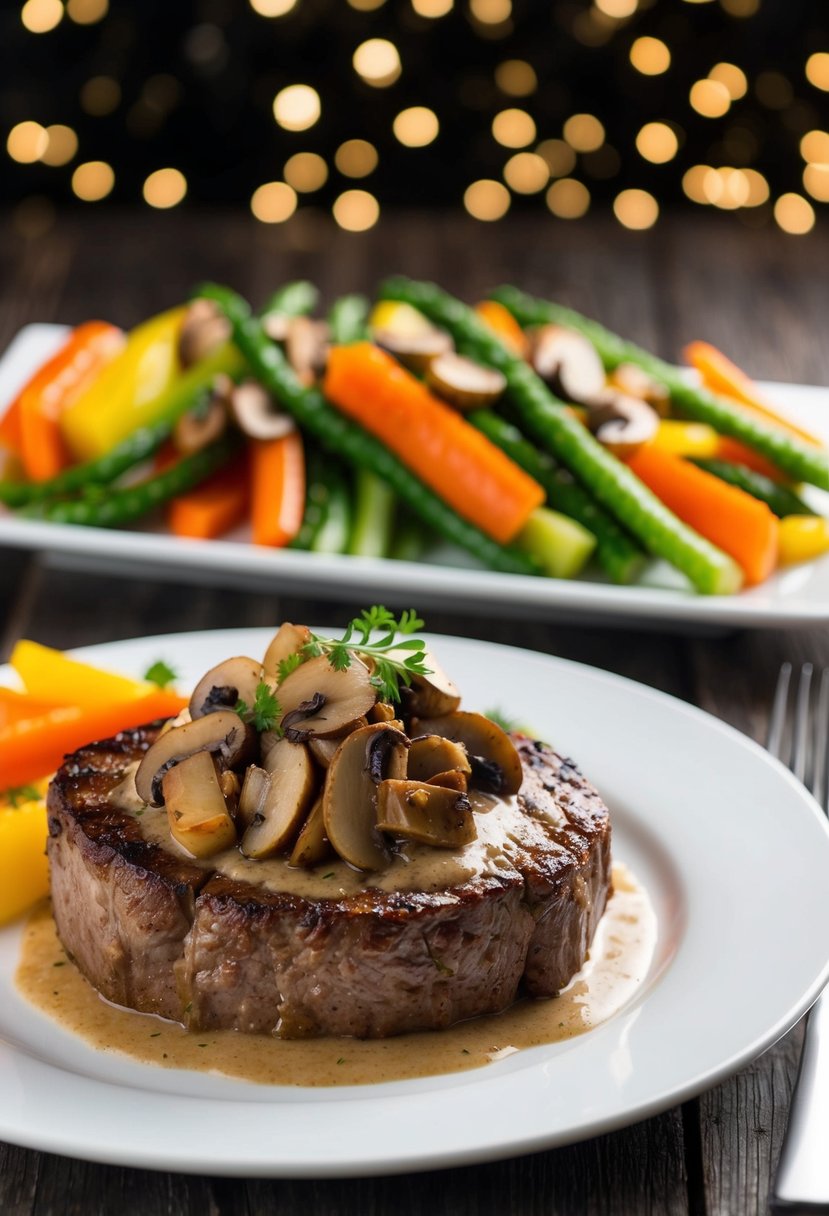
x: 10, y: 428
x: 215, y: 506
x: 454, y: 459
x: 502, y: 323
x: 15, y: 706
x: 33, y: 747
x: 739, y: 453
x: 720, y: 375
x: 277, y: 489
x: 53, y: 388
x: 736, y: 522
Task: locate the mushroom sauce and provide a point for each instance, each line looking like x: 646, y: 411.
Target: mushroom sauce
x: 616, y: 968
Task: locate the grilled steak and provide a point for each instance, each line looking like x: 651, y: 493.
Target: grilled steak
x: 161, y: 934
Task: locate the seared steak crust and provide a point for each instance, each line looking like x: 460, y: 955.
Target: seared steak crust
x: 156, y: 933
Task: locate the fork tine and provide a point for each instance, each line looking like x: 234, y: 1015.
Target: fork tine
x: 821, y: 741
x: 777, y: 718
x: 800, y: 734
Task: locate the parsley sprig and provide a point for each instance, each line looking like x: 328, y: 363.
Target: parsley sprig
x: 160, y: 673
x: 265, y: 711
x: 394, y: 663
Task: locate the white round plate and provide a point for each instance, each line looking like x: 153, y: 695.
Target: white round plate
x: 734, y: 854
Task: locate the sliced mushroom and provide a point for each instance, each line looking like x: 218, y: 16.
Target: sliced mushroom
x: 323, y: 750
x: 199, y: 427
x: 276, y: 807
x: 288, y: 640
x: 415, y: 351
x: 463, y: 383
x: 203, y: 329
x: 312, y: 845
x: 632, y: 381
x: 495, y: 764
x: 429, y: 814
x: 306, y: 347
x: 622, y: 424
x: 568, y: 362
x: 196, y: 809
x: 275, y: 325
x: 432, y: 695
x: 318, y: 700
x: 452, y: 780
x: 363, y: 761
x: 383, y: 712
x: 255, y: 414
x: 229, y: 785
x: 431, y: 754
x: 223, y: 733
x: 225, y: 685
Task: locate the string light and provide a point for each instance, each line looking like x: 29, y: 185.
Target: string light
x: 433, y: 8
x: 486, y: 200
x: 732, y: 77
x: 584, y: 132
x: 272, y: 8
x: 273, y: 202
x: 758, y: 188
x: 41, y: 16
x: 560, y: 157
x: 650, y: 56
x: 87, y: 12
x: 306, y: 172
x: 657, y: 142
x: 297, y: 107
x: 816, y: 181
x: 377, y: 62
x: 693, y: 183
x: 356, y: 210
x: 491, y: 12
x: 93, y: 180
x: 61, y: 147
x: 740, y: 8
x: 356, y: 158
x: 794, y: 214
x: 618, y: 9
x: 814, y: 146
x: 636, y: 209
x: 513, y: 129
x: 817, y: 70
x: 165, y: 188
x: 516, y: 78
x: 568, y: 199
x: 27, y: 142
x: 416, y: 127
x: 710, y: 98
x: 526, y: 173
x: 366, y: 6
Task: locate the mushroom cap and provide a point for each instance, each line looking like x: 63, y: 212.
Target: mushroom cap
x: 196, y: 808
x: 226, y: 684
x: 255, y: 414
x: 568, y: 362
x: 288, y: 640
x: 223, y: 733
x: 623, y: 424
x: 495, y: 763
x: 317, y: 699
x: 464, y: 383
x: 277, y: 805
x: 429, y: 814
x: 349, y: 798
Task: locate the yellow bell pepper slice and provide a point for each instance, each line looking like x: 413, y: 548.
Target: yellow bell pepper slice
x: 24, y: 874
x: 52, y: 676
x: 398, y: 318
x: 129, y: 391
x: 686, y: 438
x: 802, y: 538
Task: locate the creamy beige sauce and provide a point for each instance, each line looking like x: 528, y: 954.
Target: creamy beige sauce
x: 618, y: 964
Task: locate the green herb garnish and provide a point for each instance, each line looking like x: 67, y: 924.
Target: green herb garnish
x: 160, y: 673
x: 510, y: 725
x: 393, y: 662
x: 265, y: 710
x: 286, y: 666
x: 20, y: 794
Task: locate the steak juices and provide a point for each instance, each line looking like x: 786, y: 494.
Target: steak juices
x: 326, y: 844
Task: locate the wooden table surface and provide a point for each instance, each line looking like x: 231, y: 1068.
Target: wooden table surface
x: 761, y: 296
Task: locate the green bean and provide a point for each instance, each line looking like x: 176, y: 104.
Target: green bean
x: 800, y: 460
x: 348, y: 319
x: 316, y: 499
x: 345, y: 438
x: 410, y: 540
x: 183, y: 395
x: 374, y: 505
x: 333, y: 533
x: 292, y: 300
x: 780, y: 499
x: 546, y: 419
x: 107, y: 508
x: 616, y: 552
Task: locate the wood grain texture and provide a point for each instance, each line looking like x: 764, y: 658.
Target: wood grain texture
x: 758, y: 294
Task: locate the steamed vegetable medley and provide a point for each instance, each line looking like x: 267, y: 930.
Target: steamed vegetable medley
x: 518, y: 431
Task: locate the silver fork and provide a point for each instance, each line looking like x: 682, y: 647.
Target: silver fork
x: 802, y: 1182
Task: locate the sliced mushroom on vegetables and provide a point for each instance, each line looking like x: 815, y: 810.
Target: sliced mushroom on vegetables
x: 306, y: 347
x: 495, y: 764
x: 202, y: 331
x: 200, y: 426
x: 430, y: 814
x: 223, y: 733
x: 568, y: 363
x: 312, y: 845
x: 363, y: 761
x: 275, y: 325
x: 196, y: 809
x: 224, y: 686
x: 622, y: 424
x: 322, y: 750
x: 429, y: 696
x: 288, y: 640
x: 275, y: 808
x: 318, y: 700
x: 463, y: 383
x: 416, y: 350
x: 432, y: 754
x: 255, y: 414
x: 632, y: 381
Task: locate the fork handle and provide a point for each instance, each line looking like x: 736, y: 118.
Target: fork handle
x: 802, y: 1183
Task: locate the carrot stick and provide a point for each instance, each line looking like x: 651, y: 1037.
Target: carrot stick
x: 738, y: 453
x: 736, y: 522
x: 33, y: 747
x: 15, y: 706
x: 454, y: 459
x: 277, y: 489
x: 720, y: 375
x: 10, y: 428
x: 215, y: 506
x: 502, y: 323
